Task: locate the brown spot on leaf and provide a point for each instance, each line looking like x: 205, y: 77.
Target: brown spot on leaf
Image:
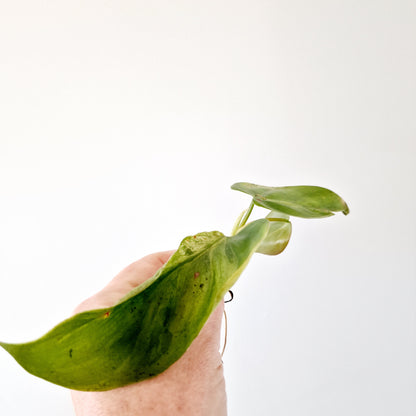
x: 196, y: 274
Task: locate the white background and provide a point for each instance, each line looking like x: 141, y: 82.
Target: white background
x: 122, y: 126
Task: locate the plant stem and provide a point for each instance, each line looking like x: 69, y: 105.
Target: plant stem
x: 246, y: 215
x: 242, y: 219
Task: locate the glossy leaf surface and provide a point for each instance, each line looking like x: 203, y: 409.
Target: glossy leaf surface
x: 299, y: 201
x: 152, y: 326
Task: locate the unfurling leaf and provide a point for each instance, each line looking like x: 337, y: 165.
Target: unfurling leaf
x: 277, y: 237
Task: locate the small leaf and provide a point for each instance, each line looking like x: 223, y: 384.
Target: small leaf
x: 151, y: 327
x: 277, y: 215
x: 277, y: 237
x: 299, y: 201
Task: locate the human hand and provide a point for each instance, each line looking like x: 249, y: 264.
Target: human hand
x: 193, y: 385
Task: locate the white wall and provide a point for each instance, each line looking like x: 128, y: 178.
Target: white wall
x: 122, y: 126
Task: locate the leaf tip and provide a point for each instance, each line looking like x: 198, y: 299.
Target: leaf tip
x: 346, y: 211
x: 242, y: 186
x: 235, y: 186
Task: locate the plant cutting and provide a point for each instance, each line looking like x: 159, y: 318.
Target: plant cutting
x: 154, y: 324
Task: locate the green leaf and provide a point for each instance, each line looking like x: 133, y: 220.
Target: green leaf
x: 277, y: 237
x: 277, y: 215
x: 152, y: 326
x: 299, y: 201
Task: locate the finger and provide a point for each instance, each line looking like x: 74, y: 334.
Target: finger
x: 139, y: 271
x: 129, y: 278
